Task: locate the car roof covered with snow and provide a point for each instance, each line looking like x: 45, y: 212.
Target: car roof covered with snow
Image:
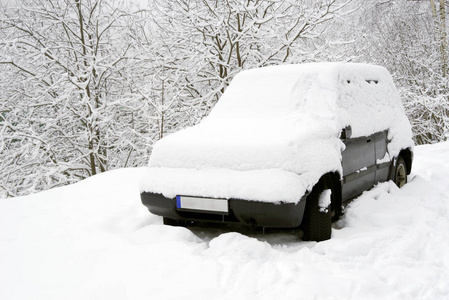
x: 279, y: 123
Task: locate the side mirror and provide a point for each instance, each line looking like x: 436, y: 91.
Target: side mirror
x: 346, y: 132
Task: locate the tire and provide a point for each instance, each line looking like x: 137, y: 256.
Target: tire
x: 400, y: 172
x: 317, y: 224
x: 173, y: 222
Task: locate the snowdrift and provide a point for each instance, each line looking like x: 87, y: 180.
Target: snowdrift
x: 94, y: 240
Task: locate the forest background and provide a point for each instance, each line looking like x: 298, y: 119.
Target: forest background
x: 89, y: 85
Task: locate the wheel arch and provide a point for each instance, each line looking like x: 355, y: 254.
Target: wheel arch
x: 317, y: 223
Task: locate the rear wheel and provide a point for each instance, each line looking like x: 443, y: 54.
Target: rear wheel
x: 317, y: 224
x: 400, y: 172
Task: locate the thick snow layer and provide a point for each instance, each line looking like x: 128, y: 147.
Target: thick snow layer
x: 95, y: 240
x: 278, y: 123
x: 271, y: 183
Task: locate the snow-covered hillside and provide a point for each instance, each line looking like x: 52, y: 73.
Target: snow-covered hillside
x: 94, y: 240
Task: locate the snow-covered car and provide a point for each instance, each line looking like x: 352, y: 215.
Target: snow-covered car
x: 285, y: 146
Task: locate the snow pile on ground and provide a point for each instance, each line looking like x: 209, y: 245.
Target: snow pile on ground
x: 282, y: 118
x: 94, y: 240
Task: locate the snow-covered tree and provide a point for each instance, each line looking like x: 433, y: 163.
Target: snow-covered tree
x: 65, y: 110
x: 409, y: 38
x: 211, y: 41
x: 89, y: 85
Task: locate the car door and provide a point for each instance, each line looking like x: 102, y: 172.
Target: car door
x: 359, y: 166
x: 383, y: 167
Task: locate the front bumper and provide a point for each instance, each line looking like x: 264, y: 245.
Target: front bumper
x: 251, y: 213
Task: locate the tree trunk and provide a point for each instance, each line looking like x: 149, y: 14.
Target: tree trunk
x: 440, y: 31
x: 161, y: 134
x: 443, y: 37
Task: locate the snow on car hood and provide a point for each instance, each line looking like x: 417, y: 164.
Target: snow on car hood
x: 275, y: 131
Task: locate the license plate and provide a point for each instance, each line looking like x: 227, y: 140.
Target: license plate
x: 202, y: 204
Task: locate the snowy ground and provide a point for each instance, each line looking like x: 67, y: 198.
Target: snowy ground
x: 94, y: 240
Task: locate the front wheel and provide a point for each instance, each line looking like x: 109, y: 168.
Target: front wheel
x: 317, y: 223
x: 400, y: 172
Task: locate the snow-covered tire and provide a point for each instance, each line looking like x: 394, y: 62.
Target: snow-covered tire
x: 400, y: 172
x: 317, y: 221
